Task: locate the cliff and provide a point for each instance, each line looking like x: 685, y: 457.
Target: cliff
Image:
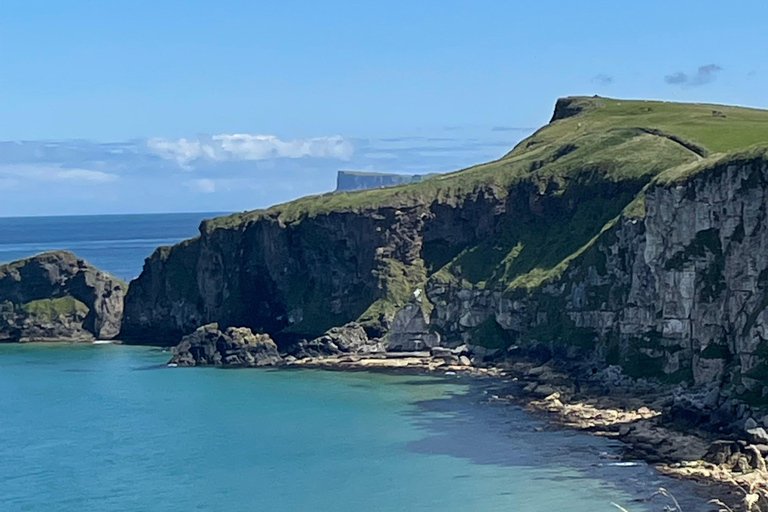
x: 359, y: 180
x: 55, y: 296
x: 625, y: 233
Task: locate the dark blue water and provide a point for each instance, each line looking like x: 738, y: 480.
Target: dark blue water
x: 115, y: 243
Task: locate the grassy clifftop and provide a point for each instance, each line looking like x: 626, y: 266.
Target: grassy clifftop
x: 623, y: 139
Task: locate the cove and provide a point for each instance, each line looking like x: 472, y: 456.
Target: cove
x: 110, y: 428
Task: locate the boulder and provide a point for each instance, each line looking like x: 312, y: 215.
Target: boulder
x: 723, y: 452
x: 57, y: 296
x: 410, y: 331
x: 237, y: 346
x: 347, y: 339
x: 757, y: 435
x: 441, y: 352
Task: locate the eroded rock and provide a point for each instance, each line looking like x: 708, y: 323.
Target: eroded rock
x: 347, y: 339
x: 410, y: 331
x: 57, y: 296
x: 237, y: 346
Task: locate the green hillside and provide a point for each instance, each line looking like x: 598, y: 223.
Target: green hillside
x: 623, y: 139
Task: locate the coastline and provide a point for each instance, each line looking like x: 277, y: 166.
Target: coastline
x: 638, y: 422
x: 548, y: 395
x: 634, y: 419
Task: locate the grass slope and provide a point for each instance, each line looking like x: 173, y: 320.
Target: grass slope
x: 602, y: 124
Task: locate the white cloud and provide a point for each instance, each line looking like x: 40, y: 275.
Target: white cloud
x: 203, y: 185
x: 243, y: 146
x: 86, y: 175
x: 33, y: 172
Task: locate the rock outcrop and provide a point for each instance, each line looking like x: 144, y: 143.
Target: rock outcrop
x: 347, y: 339
x: 235, y: 347
x: 410, y: 330
x: 56, y: 296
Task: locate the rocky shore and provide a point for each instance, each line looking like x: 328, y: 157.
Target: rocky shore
x: 642, y: 414
x: 733, y: 470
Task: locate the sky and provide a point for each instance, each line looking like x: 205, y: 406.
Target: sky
x: 140, y: 106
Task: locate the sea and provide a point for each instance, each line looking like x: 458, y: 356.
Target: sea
x: 111, y: 428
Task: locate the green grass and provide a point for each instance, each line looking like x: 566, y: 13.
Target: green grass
x: 694, y: 122
x: 51, y: 309
x: 680, y: 173
x: 602, y: 126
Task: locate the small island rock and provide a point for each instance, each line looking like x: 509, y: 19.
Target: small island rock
x: 56, y: 296
x: 237, y: 346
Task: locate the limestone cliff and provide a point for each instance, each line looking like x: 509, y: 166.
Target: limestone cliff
x: 677, y: 291
x: 56, y: 296
x: 622, y: 233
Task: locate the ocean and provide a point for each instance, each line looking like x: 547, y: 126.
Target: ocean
x: 111, y: 428
x: 115, y: 243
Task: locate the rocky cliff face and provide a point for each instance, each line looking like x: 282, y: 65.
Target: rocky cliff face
x: 293, y: 279
x: 596, y: 242
x: 56, y: 296
x: 676, y: 293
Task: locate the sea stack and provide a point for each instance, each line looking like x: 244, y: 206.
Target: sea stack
x: 56, y: 296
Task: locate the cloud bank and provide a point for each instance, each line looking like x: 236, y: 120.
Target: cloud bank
x: 243, y: 146
x: 221, y: 172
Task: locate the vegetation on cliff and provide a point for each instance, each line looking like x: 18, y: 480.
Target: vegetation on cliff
x: 510, y: 225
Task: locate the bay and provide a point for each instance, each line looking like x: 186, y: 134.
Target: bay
x: 110, y: 428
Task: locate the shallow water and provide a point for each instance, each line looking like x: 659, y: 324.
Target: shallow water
x: 108, y: 428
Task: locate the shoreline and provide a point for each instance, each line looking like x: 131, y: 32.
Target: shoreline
x: 547, y: 394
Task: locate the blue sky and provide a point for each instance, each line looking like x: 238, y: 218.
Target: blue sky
x: 147, y: 106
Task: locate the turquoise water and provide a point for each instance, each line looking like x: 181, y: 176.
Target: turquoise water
x: 108, y: 428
